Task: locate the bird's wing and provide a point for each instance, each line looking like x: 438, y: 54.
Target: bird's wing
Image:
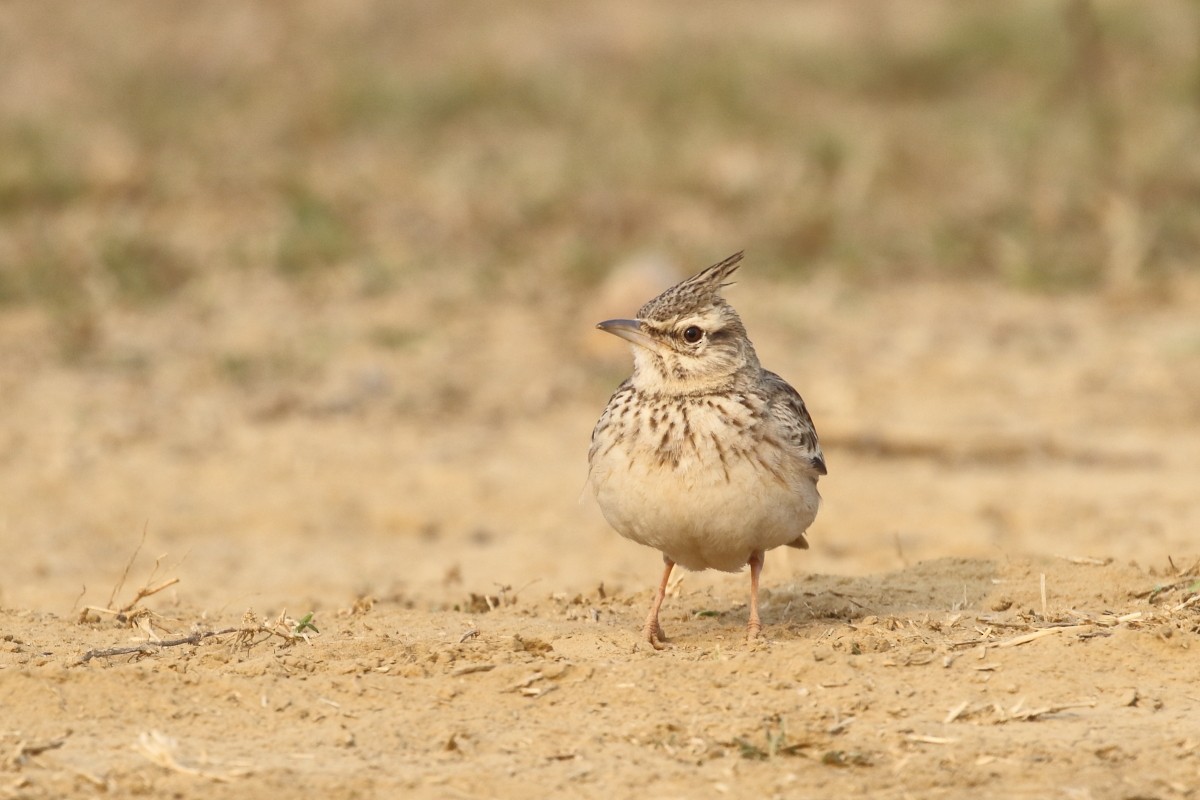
x: 611, y: 413
x: 792, y: 420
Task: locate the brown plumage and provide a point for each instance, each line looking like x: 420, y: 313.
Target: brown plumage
x: 702, y: 453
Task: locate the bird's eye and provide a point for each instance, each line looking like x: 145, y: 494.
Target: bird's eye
x: 692, y: 334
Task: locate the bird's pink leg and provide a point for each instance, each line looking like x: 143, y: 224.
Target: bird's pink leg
x: 653, y: 631
x: 756, y: 565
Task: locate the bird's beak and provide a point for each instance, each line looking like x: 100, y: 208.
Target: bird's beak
x: 628, y: 329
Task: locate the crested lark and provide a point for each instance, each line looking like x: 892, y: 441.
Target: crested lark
x: 702, y: 453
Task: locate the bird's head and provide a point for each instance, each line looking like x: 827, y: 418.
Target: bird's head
x: 688, y: 339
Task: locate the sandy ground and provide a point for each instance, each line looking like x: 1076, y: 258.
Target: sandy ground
x: 410, y: 471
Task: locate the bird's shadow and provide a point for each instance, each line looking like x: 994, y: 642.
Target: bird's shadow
x: 939, y: 585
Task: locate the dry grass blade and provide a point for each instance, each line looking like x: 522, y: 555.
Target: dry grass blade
x: 471, y: 669
x: 956, y: 712
x: 526, y: 682
x: 1191, y: 572
x: 160, y: 749
x: 1189, y: 602
x: 1031, y: 714
x: 1026, y: 638
x: 147, y: 591
x: 23, y: 751
x: 1017, y: 713
x: 128, y: 566
x: 920, y: 739
x: 1088, y: 561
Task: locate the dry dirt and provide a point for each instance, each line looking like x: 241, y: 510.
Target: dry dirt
x: 1001, y: 598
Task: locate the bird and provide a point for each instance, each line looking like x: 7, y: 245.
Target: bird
x: 702, y: 453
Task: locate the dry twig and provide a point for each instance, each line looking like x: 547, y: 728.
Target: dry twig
x: 249, y: 634
x: 147, y: 648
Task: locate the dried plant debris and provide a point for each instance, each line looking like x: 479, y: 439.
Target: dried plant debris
x: 249, y: 634
x: 23, y: 750
x: 132, y: 613
x: 996, y: 714
x: 482, y: 602
x: 160, y: 749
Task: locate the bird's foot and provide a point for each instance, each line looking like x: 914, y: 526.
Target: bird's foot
x: 753, y: 629
x: 653, y: 633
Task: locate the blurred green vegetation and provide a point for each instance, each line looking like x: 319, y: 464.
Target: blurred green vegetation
x: 1045, y: 144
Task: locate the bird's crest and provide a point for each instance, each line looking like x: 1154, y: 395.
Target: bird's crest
x: 699, y: 291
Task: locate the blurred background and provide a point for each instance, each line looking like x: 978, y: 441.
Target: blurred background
x: 305, y: 291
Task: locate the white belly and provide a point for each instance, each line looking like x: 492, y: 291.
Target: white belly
x: 710, y: 510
